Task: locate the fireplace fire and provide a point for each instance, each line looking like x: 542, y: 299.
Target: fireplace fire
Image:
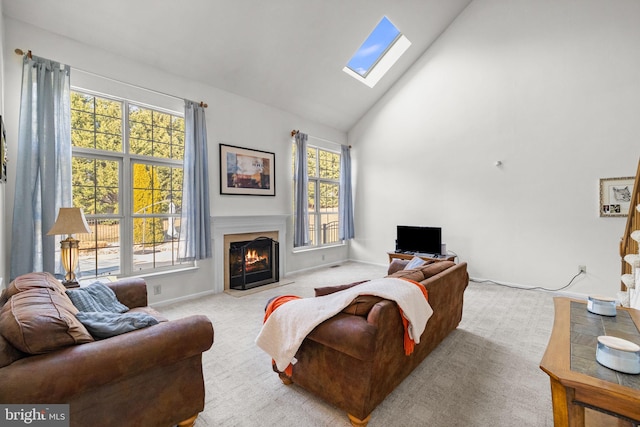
x: 253, y: 263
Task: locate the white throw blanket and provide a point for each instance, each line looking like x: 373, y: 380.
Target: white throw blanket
x: 285, y: 329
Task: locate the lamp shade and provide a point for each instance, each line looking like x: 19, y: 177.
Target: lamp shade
x: 70, y: 221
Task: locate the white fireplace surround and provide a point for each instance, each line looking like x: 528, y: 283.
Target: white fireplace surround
x: 224, y: 225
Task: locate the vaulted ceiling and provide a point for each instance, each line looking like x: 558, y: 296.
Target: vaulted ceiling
x: 285, y: 53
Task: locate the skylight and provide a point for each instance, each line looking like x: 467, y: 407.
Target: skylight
x: 377, y: 54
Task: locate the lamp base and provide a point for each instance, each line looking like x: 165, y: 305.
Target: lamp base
x: 71, y: 284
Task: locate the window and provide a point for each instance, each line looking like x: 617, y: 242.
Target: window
x: 382, y: 48
x: 323, y: 168
x: 127, y: 177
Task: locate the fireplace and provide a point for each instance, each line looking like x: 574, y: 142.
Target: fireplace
x: 227, y: 229
x: 253, y: 263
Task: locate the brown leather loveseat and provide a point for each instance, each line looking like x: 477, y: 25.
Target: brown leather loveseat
x: 146, y: 377
x: 356, y: 358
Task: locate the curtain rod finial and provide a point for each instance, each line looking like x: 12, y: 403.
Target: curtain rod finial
x: 204, y: 105
x: 20, y: 52
x: 294, y: 132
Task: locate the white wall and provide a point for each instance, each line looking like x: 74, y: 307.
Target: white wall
x: 231, y: 120
x: 550, y: 88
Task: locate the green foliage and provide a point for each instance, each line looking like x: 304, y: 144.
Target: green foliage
x: 95, y: 185
x: 146, y: 230
x: 329, y: 165
x: 96, y: 122
x: 157, y: 134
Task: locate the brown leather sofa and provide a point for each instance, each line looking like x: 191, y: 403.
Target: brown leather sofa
x: 147, y: 377
x: 356, y: 358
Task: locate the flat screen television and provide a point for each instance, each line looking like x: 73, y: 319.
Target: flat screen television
x: 425, y: 240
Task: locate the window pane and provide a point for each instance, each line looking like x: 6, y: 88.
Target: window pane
x: 82, y: 102
x: 154, y: 133
x: 311, y: 192
x: 84, y: 121
x: 109, y: 142
x: 139, y: 114
x: 328, y: 197
x: 155, y: 188
x: 312, y: 230
x: 96, y: 122
x: 100, y: 250
x: 140, y: 131
x: 329, y: 165
x: 153, y: 246
x: 312, y: 162
x: 109, y: 108
x: 95, y: 185
x: 329, y: 228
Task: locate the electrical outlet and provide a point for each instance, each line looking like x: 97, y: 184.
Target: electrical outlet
x: 157, y: 289
x: 582, y: 269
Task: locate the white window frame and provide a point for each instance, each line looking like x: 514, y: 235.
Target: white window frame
x: 317, y: 238
x: 125, y: 181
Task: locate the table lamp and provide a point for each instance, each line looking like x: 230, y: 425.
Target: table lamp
x: 69, y: 221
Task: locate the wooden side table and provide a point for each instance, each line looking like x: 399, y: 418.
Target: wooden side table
x: 402, y: 255
x: 578, y: 381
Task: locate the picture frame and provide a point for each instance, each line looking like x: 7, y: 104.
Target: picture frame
x: 248, y: 172
x: 615, y: 196
x: 3, y: 152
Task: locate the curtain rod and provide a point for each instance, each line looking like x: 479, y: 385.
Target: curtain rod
x: 20, y: 52
x: 295, y: 132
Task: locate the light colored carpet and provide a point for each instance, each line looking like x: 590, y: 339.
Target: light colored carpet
x: 484, y: 374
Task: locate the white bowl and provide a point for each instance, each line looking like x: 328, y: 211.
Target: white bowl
x: 601, y: 305
x: 618, y: 354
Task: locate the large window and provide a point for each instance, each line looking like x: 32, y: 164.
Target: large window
x: 127, y: 177
x: 323, y: 168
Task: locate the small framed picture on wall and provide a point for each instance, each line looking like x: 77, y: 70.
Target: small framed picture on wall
x: 615, y: 196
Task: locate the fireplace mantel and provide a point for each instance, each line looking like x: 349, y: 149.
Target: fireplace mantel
x: 225, y: 225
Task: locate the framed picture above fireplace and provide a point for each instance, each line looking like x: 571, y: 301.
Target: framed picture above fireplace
x: 244, y: 171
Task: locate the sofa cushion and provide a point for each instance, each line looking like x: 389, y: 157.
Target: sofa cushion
x: 41, y: 320
x: 415, y: 274
x: 105, y: 324
x: 434, y: 268
x: 33, y: 281
x: 396, y: 265
x: 415, y: 262
x: 96, y: 297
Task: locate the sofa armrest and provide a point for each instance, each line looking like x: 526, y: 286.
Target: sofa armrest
x: 87, y: 366
x: 130, y: 291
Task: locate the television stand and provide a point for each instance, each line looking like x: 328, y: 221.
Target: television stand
x: 426, y: 257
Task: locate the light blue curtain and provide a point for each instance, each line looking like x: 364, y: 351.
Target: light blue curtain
x: 300, y: 192
x: 43, y: 166
x: 345, y: 213
x: 195, y: 222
